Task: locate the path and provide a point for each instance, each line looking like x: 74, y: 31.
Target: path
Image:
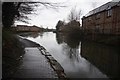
x: 34, y: 64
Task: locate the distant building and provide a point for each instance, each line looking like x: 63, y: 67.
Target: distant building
x: 103, y: 20
x: 27, y: 28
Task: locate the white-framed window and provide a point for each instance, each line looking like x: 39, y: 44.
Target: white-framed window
x: 109, y: 12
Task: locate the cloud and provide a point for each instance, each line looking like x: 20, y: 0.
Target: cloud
x: 50, y: 17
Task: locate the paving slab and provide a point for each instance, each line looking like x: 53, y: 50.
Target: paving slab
x: 34, y: 65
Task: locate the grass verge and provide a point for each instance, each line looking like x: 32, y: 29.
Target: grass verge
x: 11, y: 51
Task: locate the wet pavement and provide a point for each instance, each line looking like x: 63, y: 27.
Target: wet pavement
x: 27, y: 43
x: 34, y: 65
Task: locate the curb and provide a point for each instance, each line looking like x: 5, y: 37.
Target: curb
x: 54, y: 64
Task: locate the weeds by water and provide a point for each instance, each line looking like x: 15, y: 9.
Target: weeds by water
x: 11, y: 51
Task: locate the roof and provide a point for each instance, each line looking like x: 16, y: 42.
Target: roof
x: 106, y: 6
x: 26, y: 26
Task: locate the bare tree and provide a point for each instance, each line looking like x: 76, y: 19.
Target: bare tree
x: 78, y: 15
x: 75, y: 14
x: 20, y: 10
x: 71, y: 16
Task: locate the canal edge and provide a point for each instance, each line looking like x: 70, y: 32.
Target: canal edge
x: 55, y: 65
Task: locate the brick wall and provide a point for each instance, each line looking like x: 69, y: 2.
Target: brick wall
x: 104, y: 22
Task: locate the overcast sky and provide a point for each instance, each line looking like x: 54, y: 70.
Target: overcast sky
x: 49, y: 17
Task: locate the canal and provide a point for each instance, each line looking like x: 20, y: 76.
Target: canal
x: 80, y: 59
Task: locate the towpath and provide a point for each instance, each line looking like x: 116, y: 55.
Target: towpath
x: 34, y: 64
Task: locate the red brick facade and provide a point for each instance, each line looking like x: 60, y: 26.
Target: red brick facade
x: 103, y: 20
x: 27, y: 28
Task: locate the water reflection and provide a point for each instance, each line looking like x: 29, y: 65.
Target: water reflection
x: 78, y: 66
x: 105, y: 57
x: 70, y: 45
x: 80, y: 59
x: 69, y: 39
x: 31, y: 34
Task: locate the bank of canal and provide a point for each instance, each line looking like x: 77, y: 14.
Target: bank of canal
x: 37, y: 63
x: 67, y: 51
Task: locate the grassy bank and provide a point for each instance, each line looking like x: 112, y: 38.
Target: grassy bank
x: 12, y: 49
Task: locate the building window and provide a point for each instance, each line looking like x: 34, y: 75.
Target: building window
x: 109, y: 12
x: 98, y: 16
x: 89, y: 19
x: 97, y: 26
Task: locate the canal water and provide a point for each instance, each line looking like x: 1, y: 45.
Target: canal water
x: 79, y: 59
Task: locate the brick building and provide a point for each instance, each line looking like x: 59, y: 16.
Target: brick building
x: 103, y: 20
x: 27, y: 28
